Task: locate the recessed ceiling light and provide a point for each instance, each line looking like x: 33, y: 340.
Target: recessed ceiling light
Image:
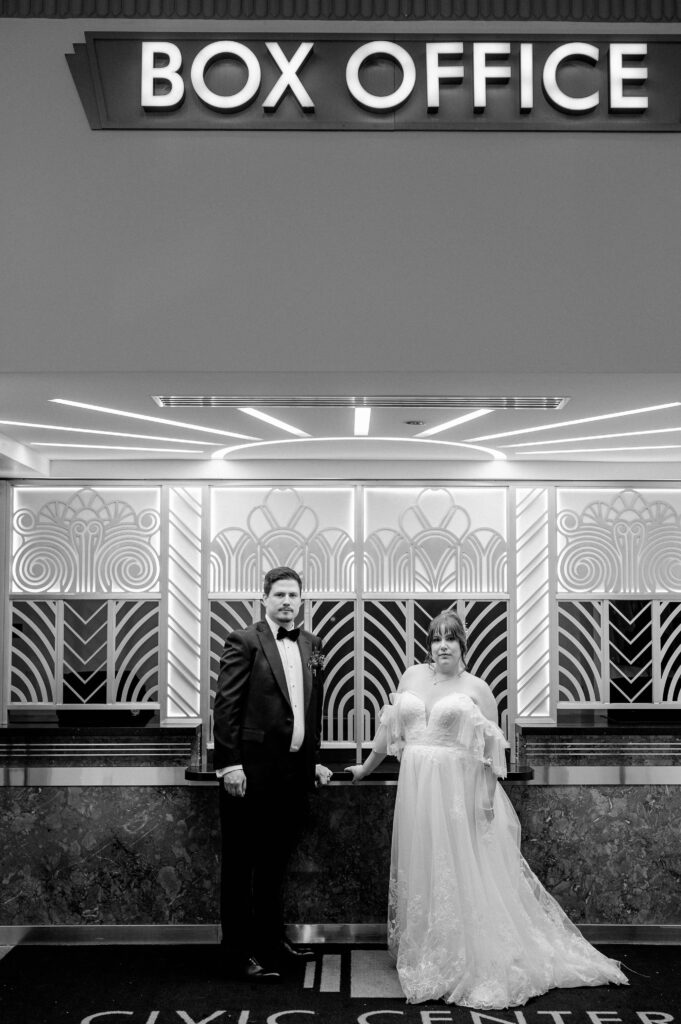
x: 117, y: 448
x: 590, y: 451
x: 362, y: 421
x: 273, y: 421
x: 574, y: 423
x: 597, y: 437
x: 222, y: 453
x: 103, y: 433
x: 151, y: 419
x: 453, y: 423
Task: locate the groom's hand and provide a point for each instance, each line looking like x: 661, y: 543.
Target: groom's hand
x: 322, y: 775
x: 235, y: 782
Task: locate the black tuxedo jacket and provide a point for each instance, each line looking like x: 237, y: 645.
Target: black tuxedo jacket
x: 252, y: 715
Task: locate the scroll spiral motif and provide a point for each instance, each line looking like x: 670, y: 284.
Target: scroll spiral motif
x: 86, y: 545
x: 627, y: 545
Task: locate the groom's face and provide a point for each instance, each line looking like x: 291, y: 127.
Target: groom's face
x: 283, y: 602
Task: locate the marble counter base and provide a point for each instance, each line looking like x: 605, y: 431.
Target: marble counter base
x: 95, y: 855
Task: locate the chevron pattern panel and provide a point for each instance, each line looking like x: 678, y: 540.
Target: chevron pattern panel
x: 34, y: 651
x: 487, y: 630
x: 533, y: 623
x: 226, y: 616
x: 670, y: 649
x: 185, y: 599
x: 334, y: 622
x: 385, y: 657
x: 580, y: 629
x: 136, y: 647
x: 630, y: 651
x: 84, y: 668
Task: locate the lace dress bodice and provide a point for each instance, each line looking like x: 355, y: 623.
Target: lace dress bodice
x: 454, y: 721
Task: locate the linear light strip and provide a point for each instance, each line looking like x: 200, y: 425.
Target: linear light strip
x: 597, y: 437
x: 273, y: 421
x: 453, y: 423
x: 362, y: 421
x: 117, y: 447
x: 590, y: 451
x: 152, y: 419
x: 222, y: 453
x: 107, y: 433
x: 574, y: 423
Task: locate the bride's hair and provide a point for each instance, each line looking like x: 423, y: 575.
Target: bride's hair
x: 448, y: 625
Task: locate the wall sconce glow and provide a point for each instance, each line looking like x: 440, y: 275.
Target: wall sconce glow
x: 151, y: 419
x: 362, y: 421
x: 273, y: 421
x: 102, y: 433
x: 574, y: 423
x: 597, y: 437
x: 222, y: 453
x: 118, y: 448
x: 453, y: 423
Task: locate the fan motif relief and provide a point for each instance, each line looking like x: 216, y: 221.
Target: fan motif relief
x: 627, y: 545
x: 435, y: 549
x: 283, y: 530
x: 87, y: 545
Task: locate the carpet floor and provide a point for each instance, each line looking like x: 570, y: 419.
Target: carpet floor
x: 148, y: 984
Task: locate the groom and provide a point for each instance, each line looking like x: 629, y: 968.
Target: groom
x: 267, y: 730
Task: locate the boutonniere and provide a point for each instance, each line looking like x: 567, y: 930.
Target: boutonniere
x: 316, y: 661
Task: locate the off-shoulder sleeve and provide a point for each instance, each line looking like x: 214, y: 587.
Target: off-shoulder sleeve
x: 389, y: 737
x: 488, y: 742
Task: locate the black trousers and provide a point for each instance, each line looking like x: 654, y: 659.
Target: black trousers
x: 259, y: 833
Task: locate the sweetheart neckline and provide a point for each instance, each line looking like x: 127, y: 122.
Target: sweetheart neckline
x: 428, y: 714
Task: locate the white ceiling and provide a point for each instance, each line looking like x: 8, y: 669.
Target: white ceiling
x: 353, y: 264
x: 36, y: 426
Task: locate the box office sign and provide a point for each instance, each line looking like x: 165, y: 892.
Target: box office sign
x: 342, y: 82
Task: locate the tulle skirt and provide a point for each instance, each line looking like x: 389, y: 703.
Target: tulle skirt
x: 468, y: 921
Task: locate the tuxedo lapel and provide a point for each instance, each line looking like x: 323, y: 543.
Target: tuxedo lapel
x: 271, y: 651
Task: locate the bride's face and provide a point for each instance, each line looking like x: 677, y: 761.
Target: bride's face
x: 446, y: 652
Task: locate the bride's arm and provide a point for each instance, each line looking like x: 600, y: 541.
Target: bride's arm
x: 382, y: 740
x: 379, y: 750
x: 488, y: 706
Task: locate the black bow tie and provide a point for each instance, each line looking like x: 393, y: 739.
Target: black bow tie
x: 288, y: 634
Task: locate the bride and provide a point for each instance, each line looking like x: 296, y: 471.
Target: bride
x: 468, y: 921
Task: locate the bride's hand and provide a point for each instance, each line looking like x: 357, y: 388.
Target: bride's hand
x: 357, y: 772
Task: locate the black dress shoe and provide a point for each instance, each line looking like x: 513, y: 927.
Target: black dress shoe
x: 295, y: 953
x: 251, y: 969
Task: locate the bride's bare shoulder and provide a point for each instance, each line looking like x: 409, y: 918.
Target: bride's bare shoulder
x: 414, y: 677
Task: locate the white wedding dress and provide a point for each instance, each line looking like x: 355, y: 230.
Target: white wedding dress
x: 468, y: 921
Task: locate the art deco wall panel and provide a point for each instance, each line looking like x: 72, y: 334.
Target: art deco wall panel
x: 124, y: 595
x: 533, y: 601
x: 185, y: 601
x: 86, y: 540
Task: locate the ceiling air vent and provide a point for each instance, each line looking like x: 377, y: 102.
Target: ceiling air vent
x: 373, y: 401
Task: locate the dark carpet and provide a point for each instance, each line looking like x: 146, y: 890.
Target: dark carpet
x: 186, y: 985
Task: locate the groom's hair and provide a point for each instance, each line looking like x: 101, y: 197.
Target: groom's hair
x: 281, y: 572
